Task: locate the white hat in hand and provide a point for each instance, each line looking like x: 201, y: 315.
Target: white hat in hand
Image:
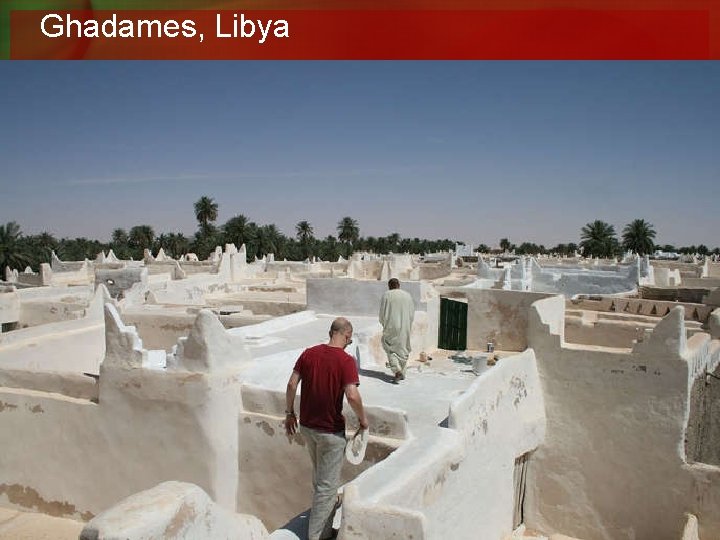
x: 356, y: 446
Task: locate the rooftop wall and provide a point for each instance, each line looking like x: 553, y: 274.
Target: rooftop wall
x: 641, y: 306
x: 194, y: 421
x: 128, y: 441
x: 55, y: 293
x: 120, y: 280
x: 608, y: 330
x: 613, y: 462
x: 456, y: 482
x: 274, y: 469
x: 569, y: 284
x: 355, y: 297
x: 687, y: 270
x: 176, y: 509
x: 496, y: 315
x: 145, y: 426
x: 9, y: 306
x: 66, y: 346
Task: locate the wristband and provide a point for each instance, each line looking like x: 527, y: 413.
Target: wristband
x: 289, y: 413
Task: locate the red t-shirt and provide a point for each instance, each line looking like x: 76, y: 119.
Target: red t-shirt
x: 324, y: 372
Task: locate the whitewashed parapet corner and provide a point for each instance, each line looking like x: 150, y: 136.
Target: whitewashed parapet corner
x: 176, y: 510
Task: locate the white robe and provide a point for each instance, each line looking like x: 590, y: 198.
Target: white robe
x: 397, y: 310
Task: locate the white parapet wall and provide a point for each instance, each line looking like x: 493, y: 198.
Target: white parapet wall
x: 175, y: 510
x: 613, y: 462
x: 275, y: 470
x: 346, y: 296
x: 144, y: 425
x: 496, y: 316
x: 9, y: 305
x: 456, y: 482
x: 42, y: 305
x: 141, y: 424
x: 67, y: 346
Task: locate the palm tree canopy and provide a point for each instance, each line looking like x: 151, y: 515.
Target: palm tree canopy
x: 304, y: 231
x: 235, y: 230
x: 638, y: 236
x: 348, y: 230
x: 12, y: 252
x: 141, y: 236
x: 177, y: 244
x: 269, y: 239
x: 119, y: 237
x: 77, y: 249
x: 598, y: 239
x: 206, y: 211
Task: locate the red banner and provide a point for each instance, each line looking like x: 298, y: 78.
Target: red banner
x: 427, y: 34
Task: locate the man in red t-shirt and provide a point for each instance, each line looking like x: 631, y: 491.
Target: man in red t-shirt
x: 327, y: 373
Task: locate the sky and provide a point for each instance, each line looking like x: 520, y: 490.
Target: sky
x: 471, y: 151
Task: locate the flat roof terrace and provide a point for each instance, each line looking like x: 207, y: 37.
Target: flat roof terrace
x: 424, y: 395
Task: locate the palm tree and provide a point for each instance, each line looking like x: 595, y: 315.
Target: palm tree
x: 381, y: 245
x: 39, y: 247
x: 529, y: 248
x: 393, y: 242
x: 176, y: 244
x: 269, y: 240
x: 505, y: 244
x: 119, y: 237
x: 370, y: 243
x: 234, y: 230
x: 204, y: 242
x: 12, y: 252
x: 79, y: 249
x: 206, y: 211
x: 348, y: 232
x: 251, y: 239
x: 120, y: 243
x: 329, y: 249
x: 141, y: 237
x: 598, y: 239
x: 304, y: 232
x: 638, y: 237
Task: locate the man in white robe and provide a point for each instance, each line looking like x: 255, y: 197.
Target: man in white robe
x: 397, y: 310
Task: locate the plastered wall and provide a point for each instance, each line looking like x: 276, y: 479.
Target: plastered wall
x: 275, y: 470
x: 612, y: 465
x: 147, y: 427
x: 9, y: 306
x: 193, y: 421
x: 67, y: 346
x: 496, y: 315
x: 455, y: 482
x: 588, y: 329
x: 354, y: 297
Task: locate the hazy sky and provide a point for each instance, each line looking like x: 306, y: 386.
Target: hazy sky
x: 473, y: 151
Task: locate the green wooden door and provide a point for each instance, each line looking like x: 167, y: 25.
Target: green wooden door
x: 452, y: 333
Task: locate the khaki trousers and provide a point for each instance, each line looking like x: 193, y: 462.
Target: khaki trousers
x: 326, y: 453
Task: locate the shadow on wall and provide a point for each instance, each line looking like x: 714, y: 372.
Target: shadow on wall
x: 277, y: 466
